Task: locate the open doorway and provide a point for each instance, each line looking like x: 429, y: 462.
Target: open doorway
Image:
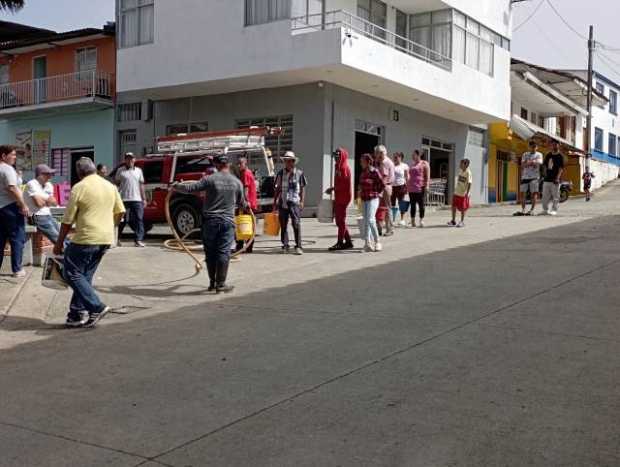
x: 364, y: 143
x: 76, y: 154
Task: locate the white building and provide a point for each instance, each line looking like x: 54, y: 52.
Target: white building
x: 409, y: 73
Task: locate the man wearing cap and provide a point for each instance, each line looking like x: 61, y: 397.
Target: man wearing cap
x: 130, y: 181
x: 224, y: 193
x: 290, y: 192
x: 39, y: 198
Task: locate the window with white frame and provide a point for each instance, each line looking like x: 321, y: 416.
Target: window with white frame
x: 375, y: 12
x: 137, y: 22
x: 266, y: 11
x: 401, y: 29
x: 598, y: 139
x: 4, y: 73
x: 86, y: 59
x: 613, y: 102
x: 432, y: 34
x: 612, y: 145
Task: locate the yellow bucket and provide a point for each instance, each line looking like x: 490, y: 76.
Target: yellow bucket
x: 272, y: 224
x: 245, y: 227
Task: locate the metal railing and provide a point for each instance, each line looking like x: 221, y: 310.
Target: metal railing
x: 91, y: 83
x: 354, y: 24
x: 436, y: 195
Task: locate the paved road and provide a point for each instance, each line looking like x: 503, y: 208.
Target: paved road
x: 493, y: 353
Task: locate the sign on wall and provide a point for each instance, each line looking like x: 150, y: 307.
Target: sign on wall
x: 41, y: 140
x: 23, y: 141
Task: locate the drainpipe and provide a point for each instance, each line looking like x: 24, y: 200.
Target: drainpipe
x: 323, y: 13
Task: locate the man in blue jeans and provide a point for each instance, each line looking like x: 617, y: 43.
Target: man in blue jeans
x: 130, y: 181
x: 224, y: 192
x: 40, y: 197
x: 94, y: 207
x: 13, y: 211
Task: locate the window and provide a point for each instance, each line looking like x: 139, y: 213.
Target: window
x: 4, y: 74
x: 375, y: 12
x: 266, y: 11
x: 274, y: 143
x: 186, y: 165
x: 598, y: 139
x: 401, y: 29
x: 129, y: 112
x: 476, y: 137
x: 60, y: 160
x: 152, y: 171
x: 534, y: 118
x: 524, y: 113
x: 86, y: 59
x: 195, y: 127
x: 137, y: 22
x: 600, y: 87
x: 613, y: 102
x: 432, y: 32
x: 128, y: 141
x: 612, y: 145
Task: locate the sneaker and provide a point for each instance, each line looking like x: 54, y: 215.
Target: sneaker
x: 96, y: 317
x: 77, y: 323
x: 378, y: 247
x: 19, y: 274
x: 413, y: 226
x: 460, y: 225
x: 402, y: 223
x: 368, y: 248
x: 299, y: 251
x: 553, y: 213
x: 451, y: 224
x: 336, y: 247
x: 140, y: 245
x: 421, y: 224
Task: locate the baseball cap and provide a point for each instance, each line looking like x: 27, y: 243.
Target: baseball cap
x: 221, y: 159
x: 42, y: 169
x: 129, y: 155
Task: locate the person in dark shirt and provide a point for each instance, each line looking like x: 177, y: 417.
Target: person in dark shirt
x: 224, y: 193
x: 554, y: 168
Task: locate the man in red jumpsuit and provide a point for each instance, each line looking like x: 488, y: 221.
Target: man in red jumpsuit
x: 343, y: 194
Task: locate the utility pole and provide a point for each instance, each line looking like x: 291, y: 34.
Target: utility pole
x: 323, y: 13
x: 591, y: 45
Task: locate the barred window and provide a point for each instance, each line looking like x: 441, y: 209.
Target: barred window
x: 129, y: 112
x: 277, y: 145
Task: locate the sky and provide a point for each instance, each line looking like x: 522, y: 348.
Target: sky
x: 543, y: 39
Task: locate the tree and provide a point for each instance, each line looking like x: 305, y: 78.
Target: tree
x: 11, y: 5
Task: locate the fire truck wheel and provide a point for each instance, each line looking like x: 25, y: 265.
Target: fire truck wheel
x: 185, y: 218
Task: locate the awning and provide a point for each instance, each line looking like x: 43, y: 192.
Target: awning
x: 527, y: 130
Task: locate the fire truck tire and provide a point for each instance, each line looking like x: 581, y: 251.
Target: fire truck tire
x: 185, y: 217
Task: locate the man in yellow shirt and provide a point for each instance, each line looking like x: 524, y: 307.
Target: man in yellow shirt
x: 94, y: 207
x: 460, y: 198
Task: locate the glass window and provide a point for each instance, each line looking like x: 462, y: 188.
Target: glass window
x: 459, y: 45
x: 176, y: 128
x: 598, y: 139
x: 137, y: 22
x: 612, y: 144
x: 129, y: 112
x: 198, y: 127
x: 472, y: 51
x: 86, y: 59
x: 524, y: 113
x: 421, y: 20
x: 152, y: 171
x: 401, y: 28
x: 128, y: 141
x: 442, y: 41
x: 600, y: 87
x: 459, y: 19
x: 613, y: 102
x: 266, y: 11
x: 4, y: 74
x: 473, y: 26
x: 186, y: 165
x: 443, y: 16
x: 486, y: 57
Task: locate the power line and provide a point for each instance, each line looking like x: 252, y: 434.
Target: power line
x: 529, y: 17
x: 610, y: 63
x: 568, y: 25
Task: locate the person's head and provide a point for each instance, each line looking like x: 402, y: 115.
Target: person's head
x: 533, y: 146
x: 43, y: 173
x: 464, y: 164
x: 102, y: 170
x: 366, y: 161
x: 85, y: 167
x: 416, y: 156
x: 8, y: 154
x: 337, y: 155
x: 221, y: 163
x: 290, y: 159
x: 242, y: 163
x: 555, y: 146
x: 130, y: 160
x: 380, y: 152
x: 398, y: 157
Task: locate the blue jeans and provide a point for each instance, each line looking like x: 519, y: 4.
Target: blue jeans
x: 290, y: 211
x: 13, y: 229
x: 134, y: 216
x: 218, y: 234
x: 370, y: 220
x: 80, y: 265
x: 48, y: 226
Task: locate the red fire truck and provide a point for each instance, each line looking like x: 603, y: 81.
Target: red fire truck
x: 186, y: 157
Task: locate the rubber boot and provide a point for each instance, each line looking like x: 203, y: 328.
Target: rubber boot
x: 220, y: 278
x: 211, y: 269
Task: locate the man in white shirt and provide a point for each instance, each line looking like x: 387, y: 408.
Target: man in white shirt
x: 130, y: 181
x: 39, y: 198
x: 530, y: 177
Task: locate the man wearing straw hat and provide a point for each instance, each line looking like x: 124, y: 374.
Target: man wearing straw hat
x: 290, y: 192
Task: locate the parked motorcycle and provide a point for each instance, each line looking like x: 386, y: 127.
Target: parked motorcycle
x: 565, y: 188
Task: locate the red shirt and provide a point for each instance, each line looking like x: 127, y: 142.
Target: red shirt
x: 249, y: 183
x: 371, y: 184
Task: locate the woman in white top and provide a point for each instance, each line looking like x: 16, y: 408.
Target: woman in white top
x: 399, y: 190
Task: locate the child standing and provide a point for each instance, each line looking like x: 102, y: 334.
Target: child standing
x: 462, y: 188
x: 587, y: 183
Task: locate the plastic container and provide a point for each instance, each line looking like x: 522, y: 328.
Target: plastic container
x: 325, y: 212
x: 52, y: 277
x: 271, y: 226
x: 244, y: 227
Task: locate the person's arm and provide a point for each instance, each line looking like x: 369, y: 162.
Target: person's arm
x: 64, y: 231
x: 142, y: 192
x: 277, y: 191
x: 427, y: 176
x: 188, y: 188
x: 469, y: 184
x: 18, y: 195
x: 69, y: 218
x: 119, y: 209
x: 302, y: 191
x: 406, y: 174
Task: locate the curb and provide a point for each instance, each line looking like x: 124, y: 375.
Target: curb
x: 4, y: 313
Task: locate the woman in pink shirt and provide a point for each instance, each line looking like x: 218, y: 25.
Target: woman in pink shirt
x: 419, y: 180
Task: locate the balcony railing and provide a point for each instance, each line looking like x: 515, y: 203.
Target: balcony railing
x: 55, y: 89
x: 354, y: 24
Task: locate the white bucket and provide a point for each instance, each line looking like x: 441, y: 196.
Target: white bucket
x: 52, y: 273
x: 325, y: 212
